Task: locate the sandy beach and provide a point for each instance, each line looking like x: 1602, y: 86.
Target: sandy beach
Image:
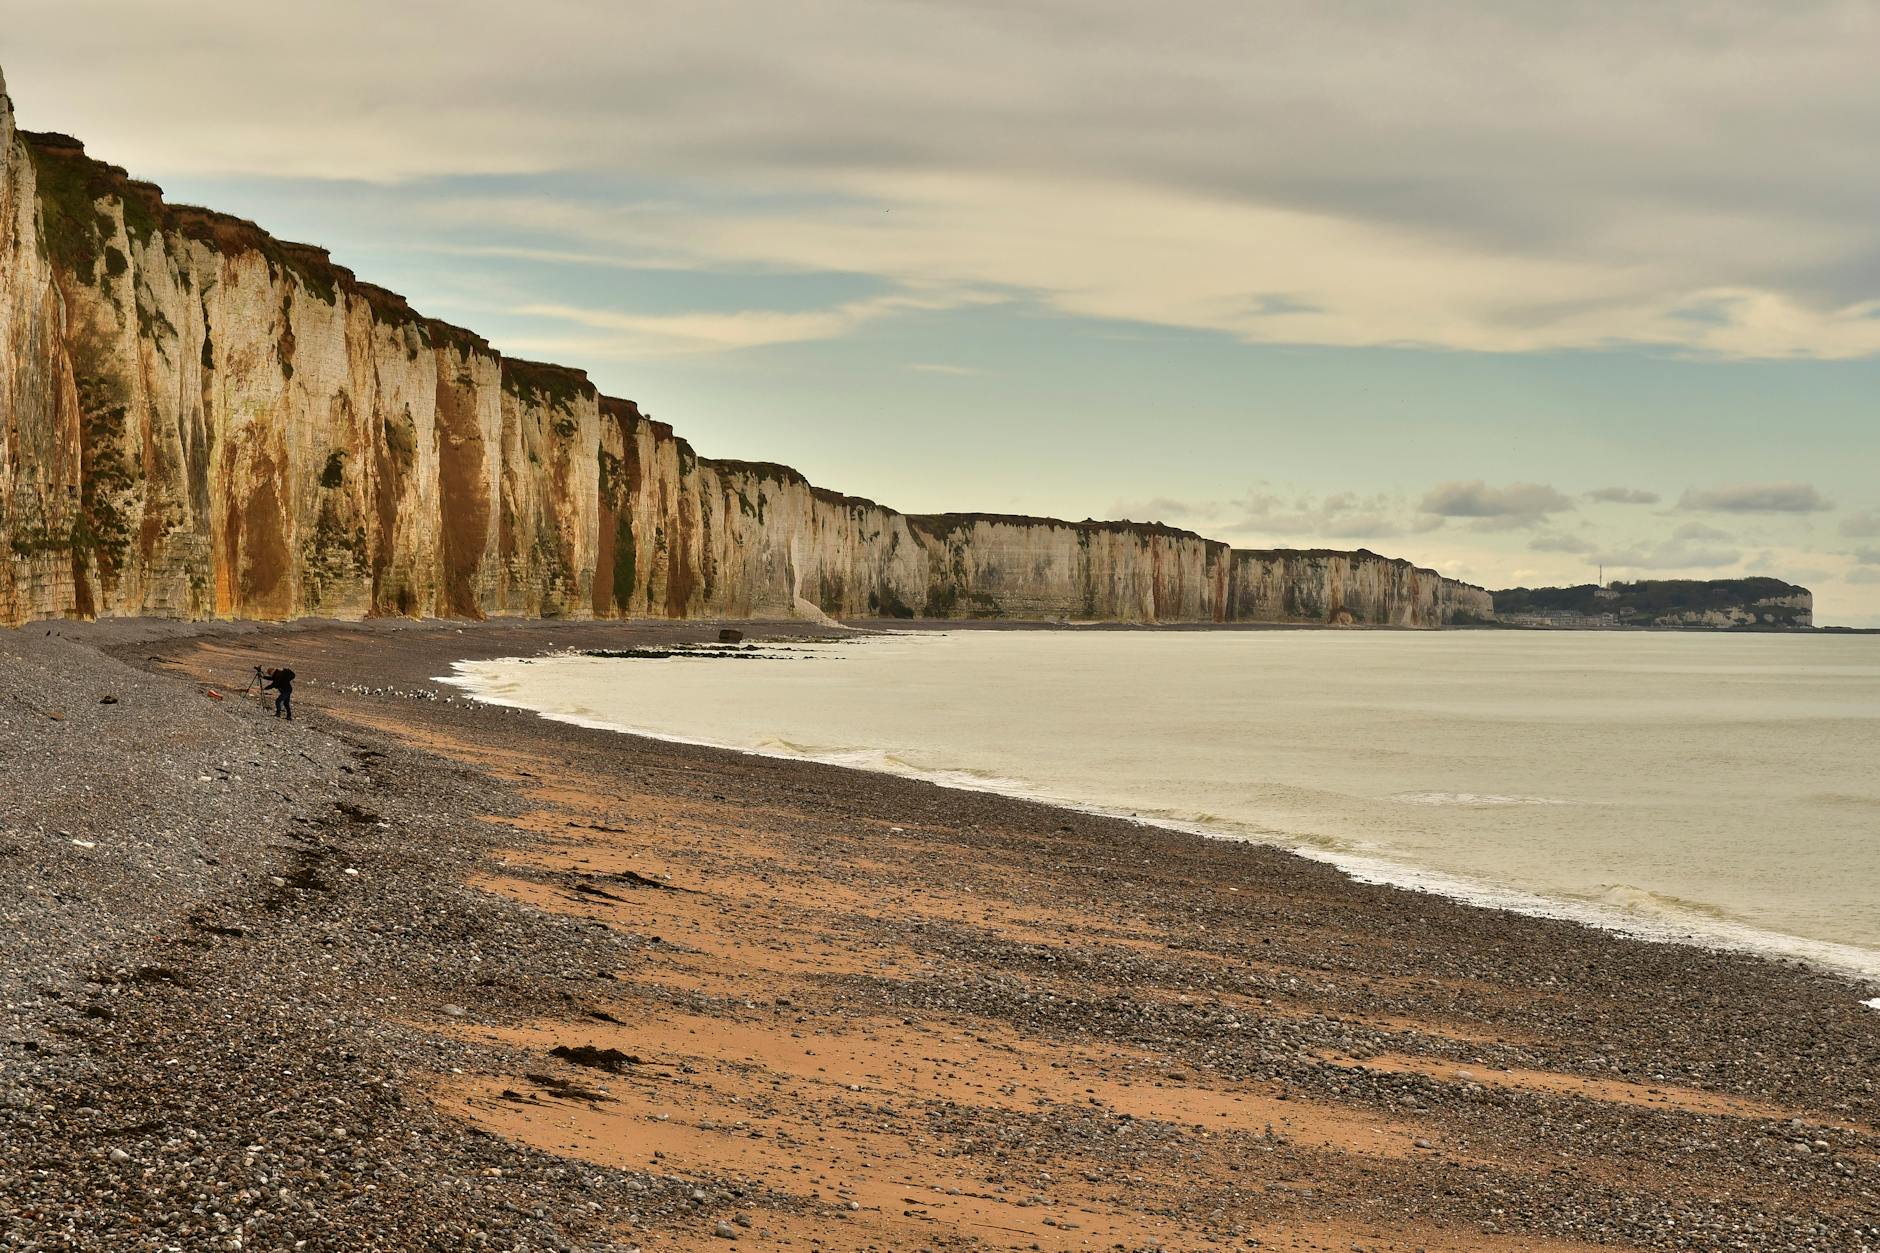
x: 415, y: 973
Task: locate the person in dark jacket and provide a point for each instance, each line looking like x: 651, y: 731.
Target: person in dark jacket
x: 281, y: 683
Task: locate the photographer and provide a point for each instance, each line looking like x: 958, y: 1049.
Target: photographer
x: 281, y: 683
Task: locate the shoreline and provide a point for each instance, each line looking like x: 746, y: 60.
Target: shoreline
x: 1716, y: 933
x: 1063, y: 1031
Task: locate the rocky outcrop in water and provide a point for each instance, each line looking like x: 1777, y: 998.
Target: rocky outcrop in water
x: 203, y: 421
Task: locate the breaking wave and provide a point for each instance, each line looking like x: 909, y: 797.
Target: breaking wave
x: 1476, y: 799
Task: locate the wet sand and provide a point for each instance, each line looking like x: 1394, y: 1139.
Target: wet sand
x: 863, y: 1012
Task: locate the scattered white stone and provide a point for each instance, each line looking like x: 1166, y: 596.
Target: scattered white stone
x: 455, y: 1011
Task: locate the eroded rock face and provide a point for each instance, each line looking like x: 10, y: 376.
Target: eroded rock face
x: 1322, y: 585
x: 203, y: 421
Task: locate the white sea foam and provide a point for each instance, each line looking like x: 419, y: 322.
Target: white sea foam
x: 1474, y: 798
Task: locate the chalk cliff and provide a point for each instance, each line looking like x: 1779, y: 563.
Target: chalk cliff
x: 203, y: 421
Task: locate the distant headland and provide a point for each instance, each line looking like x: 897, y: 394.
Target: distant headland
x: 1747, y: 604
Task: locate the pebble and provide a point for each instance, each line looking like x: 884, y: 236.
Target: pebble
x: 292, y: 1013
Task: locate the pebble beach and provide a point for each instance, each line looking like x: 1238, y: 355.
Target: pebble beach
x: 412, y: 972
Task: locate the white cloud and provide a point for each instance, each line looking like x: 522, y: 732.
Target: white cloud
x: 1669, y: 556
x: 1623, y: 496
x: 1264, y: 518
x: 1702, y: 531
x: 1756, y: 498
x: 1341, y: 517
x: 1495, y: 508
x: 1561, y: 542
x: 1491, y: 177
x: 1693, y: 546
x: 1861, y: 525
x: 1085, y: 247
x: 1162, y: 508
x: 1787, y: 565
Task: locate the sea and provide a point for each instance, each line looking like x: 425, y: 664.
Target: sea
x: 1720, y: 789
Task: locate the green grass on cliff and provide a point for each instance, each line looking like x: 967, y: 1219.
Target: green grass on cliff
x: 140, y: 219
x: 1646, y: 600
x: 544, y: 385
x: 101, y: 533
x: 73, y: 230
x: 610, y: 478
x: 401, y: 437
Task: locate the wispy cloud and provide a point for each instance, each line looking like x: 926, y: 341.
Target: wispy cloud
x: 1623, y: 496
x: 1561, y: 542
x: 1338, y: 516
x: 1263, y: 517
x: 1755, y: 498
x: 1504, y: 181
x: 942, y: 367
x: 1164, y: 508
x: 656, y: 333
x: 554, y: 256
x: 1861, y: 525
x: 1693, y: 546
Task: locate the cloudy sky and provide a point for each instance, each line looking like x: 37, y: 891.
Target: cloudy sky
x: 1513, y: 289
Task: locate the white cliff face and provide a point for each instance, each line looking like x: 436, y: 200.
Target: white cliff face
x: 38, y: 400
x: 1002, y: 567
x: 1796, y: 610
x: 203, y: 421
x: 1320, y: 585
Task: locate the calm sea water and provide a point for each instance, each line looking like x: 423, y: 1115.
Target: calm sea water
x: 1725, y: 788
